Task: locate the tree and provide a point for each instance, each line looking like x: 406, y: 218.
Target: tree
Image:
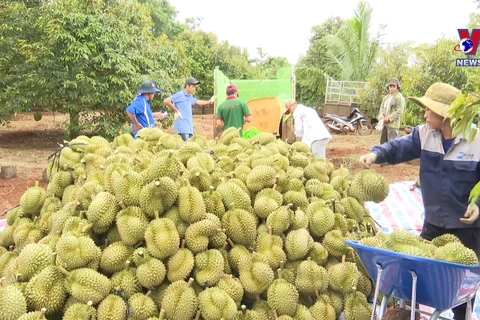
x: 430, y: 63
x: 88, y: 62
x: 352, y: 49
x: 391, y: 63
x: 16, y: 30
x: 311, y: 69
x: 163, y: 16
x: 204, y: 53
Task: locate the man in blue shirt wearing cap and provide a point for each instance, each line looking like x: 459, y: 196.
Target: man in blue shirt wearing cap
x: 181, y: 103
x: 139, y: 110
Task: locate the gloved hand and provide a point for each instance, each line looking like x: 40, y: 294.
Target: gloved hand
x: 470, y: 215
x: 368, y: 159
x: 212, y: 99
x: 178, y: 115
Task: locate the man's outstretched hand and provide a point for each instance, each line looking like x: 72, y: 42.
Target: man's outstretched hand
x: 368, y: 159
x: 471, y: 215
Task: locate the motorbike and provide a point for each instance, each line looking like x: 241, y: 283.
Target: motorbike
x: 355, y: 122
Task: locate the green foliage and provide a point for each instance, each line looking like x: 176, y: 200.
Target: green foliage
x: 16, y: 30
x: 88, y: 61
x: 390, y: 63
x: 203, y: 53
x: 353, y: 49
x: 311, y: 69
x: 163, y: 16
x: 430, y: 63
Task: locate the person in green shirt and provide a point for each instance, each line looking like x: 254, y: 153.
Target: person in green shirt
x: 233, y: 112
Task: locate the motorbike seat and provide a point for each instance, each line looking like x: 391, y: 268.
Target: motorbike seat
x: 345, y: 118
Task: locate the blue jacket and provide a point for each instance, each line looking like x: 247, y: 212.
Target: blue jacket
x: 140, y: 107
x: 446, y: 178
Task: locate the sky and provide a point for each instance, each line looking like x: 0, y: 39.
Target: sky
x: 283, y: 29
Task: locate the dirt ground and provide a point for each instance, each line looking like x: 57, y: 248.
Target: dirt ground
x: 27, y: 144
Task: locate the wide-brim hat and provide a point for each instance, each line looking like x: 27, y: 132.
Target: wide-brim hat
x: 438, y: 97
x: 148, y: 87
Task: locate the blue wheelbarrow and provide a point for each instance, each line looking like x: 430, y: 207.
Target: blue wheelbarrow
x: 438, y: 284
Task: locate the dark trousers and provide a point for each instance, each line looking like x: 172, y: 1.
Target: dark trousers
x: 185, y: 136
x: 388, y: 134
x: 470, y: 237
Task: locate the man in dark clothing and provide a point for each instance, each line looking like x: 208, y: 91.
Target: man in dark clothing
x: 449, y: 169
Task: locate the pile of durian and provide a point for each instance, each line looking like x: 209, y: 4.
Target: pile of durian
x: 446, y: 247
x: 159, y: 228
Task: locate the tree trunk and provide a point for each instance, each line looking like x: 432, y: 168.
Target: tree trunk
x: 73, y: 130
x: 8, y: 172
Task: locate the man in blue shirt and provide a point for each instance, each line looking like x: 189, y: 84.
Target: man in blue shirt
x: 181, y: 103
x: 139, y: 110
x: 449, y: 169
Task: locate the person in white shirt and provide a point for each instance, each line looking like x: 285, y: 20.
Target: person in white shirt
x: 309, y: 128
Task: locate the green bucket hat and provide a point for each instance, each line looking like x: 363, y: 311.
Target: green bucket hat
x: 438, y: 98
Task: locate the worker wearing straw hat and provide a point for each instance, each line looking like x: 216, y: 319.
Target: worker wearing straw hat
x: 449, y: 169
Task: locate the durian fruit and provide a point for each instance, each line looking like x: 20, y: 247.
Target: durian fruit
x: 180, y: 265
x: 191, y: 207
x: 113, y: 307
x: 356, y: 306
x: 102, y: 211
x: 343, y: 277
x: 311, y: 278
x: 31, y: 202
x: 215, y: 304
x: 209, y: 267
x: 368, y: 185
x: 86, y: 284
x: 12, y: 301
x: 126, y: 281
x: 198, y: 234
x: 47, y: 289
x: 282, y: 296
x: 131, y: 221
x: 158, y: 196
x: 77, y: 252
x: 444, y: 239
x: 162, y: 238
x: 271, y: 246
x: 114, y: 257
x: 255, y: 273
x: 150, y: 271
x: 142, y: 306
x: 266, y: 201
x: 456, y: 252
x: 334, y: 242
x: 131, y: 224
x: 33, y: 259
x: 34, y: 315
x: 240, y: 225
x: 213, y: 202
x: 80, y: 311
x: 323, y: 308
x: 321, y: 218
x: 297, y: 244
x: 261, y: 177
x: 180, y: 300
x: 232, y: 286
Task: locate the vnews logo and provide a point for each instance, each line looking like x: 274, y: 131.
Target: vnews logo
x: 468, y: 44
